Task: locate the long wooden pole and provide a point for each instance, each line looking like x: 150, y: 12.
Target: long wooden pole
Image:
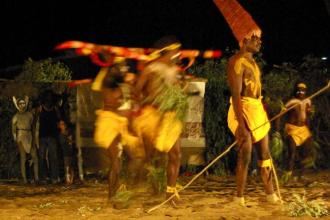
x: 276, y: 181
x: 195, y: 177
x: 233, y: 144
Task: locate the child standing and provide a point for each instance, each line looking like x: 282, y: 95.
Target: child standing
x: 65, y: 139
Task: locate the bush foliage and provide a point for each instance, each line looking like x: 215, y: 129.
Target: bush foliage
x: 44, y: 71
x: 300, y: 206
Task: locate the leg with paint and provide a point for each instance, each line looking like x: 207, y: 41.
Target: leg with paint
x: 265, y: 165
x: 243, y: 161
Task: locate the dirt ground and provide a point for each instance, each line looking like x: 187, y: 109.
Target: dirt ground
x: 208, y: 198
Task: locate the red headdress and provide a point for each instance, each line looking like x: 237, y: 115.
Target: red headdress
x: 239, y: 20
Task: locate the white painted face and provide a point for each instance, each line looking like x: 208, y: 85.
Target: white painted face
x: 21, y: 104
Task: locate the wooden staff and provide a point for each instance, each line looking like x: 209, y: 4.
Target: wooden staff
x: 276, y: 180
x: 233, y: 144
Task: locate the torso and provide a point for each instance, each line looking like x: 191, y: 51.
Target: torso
x: 251, y: 78
x: 112, y: 99
x: 48, y: 119
x: 298, y: 115
x: 161, y: 76
x: 24, y: 121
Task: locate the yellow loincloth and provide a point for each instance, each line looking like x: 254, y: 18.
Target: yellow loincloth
x: 254, y: 115
x: 299, y: 134
x: 109, y: 125
x: 161, y: 129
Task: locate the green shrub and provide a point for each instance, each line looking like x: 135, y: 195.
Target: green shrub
x: 44, y: 71
x: 301, y: 207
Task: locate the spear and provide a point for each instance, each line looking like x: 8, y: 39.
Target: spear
x: 233, y: 144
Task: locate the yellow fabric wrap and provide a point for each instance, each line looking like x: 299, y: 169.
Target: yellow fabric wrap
x: 265, y: 163
x: 147, y: 122
x: 169, y: 132
x: 299, y: 134
x: 162, y: 129
x: 109, y: 125
x: 255, y: 117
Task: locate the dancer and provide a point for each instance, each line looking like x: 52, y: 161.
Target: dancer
x: 297, y: 132
x: 163, y: 108
x: 112, y: 130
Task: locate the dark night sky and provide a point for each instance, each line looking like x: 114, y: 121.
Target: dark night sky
x: 291, y: 28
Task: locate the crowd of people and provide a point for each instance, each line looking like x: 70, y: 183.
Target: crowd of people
x: 40, y: 132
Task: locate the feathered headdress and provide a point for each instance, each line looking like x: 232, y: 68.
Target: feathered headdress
x: 239, y: 20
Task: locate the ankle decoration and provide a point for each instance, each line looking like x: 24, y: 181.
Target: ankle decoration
x: 178, y: 186
x: 173, y: 190
x: 265, y: 163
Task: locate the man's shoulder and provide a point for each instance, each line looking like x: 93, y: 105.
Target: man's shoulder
x: 150, y: 68
x: 237, y: 61
x: 154, y: 70
x: 155, y: 67
x: 293, y: 101
x: 308, y: 101
x: 235, y: 58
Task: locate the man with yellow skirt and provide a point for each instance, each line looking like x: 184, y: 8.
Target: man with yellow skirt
x: 163, y: 107
x: 296, y: 130
x: 247, y: 118
x: 112, y: 126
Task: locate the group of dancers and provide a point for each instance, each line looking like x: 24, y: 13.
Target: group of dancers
x: 142, y: 114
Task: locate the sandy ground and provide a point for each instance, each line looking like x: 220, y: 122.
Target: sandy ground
x: 208, y: 198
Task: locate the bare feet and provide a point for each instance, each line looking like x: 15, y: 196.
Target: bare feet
x: 273, y: 199
x: 175, y: 202
x: 239, y: 201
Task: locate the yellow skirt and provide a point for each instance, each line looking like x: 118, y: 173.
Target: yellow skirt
x: 255, y: 117
x: 109, y: 125
x: 299, y: 134
x: 161, y: 129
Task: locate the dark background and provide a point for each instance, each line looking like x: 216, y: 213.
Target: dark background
x: 291, y: 28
